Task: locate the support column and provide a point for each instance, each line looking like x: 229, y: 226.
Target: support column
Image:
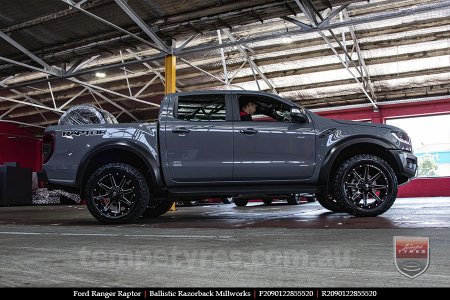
x: 170, y: 73
x: 170, y: 63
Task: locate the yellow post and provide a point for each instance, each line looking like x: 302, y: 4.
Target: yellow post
x: 171, y: 73
x: 170, y: 63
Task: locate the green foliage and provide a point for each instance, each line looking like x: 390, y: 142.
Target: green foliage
x: 427, y: 166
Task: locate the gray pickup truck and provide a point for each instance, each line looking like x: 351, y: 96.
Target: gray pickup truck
x: 200, y: 147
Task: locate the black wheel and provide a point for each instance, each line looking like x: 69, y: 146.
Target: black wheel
x: 158, y: 208
x: 365, y: 186
x: 227, y: 200
x: 240, y: 202
x: 117, y: 193
x: 267, y: 201
x: 328, y: 202
x: 294, y: 199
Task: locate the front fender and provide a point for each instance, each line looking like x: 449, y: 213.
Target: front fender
x: 341, y: 146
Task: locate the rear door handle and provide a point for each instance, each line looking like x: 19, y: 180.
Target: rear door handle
x: 248, y: 131
x: 180, y: 130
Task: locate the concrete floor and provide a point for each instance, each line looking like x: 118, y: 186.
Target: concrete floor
x: 219, y: 245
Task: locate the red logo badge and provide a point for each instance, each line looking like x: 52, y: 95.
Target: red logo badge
x: 412, y: 255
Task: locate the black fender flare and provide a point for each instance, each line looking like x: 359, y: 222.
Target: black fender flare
x: 337, y: 149
x: 149, y: 160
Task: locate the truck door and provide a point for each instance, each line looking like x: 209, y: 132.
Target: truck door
x: 199, y: 139
x: 271, y: 146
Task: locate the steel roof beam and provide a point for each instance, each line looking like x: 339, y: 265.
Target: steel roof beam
x: 148, y: 31
x: 28, y: 53
x: 113, y: 103
x: 353, y: 21
x: 308, y: 9
x: 222, y: 55
x: 31, y: 104
x: 69, y: 2
x: 15, y: 62
x: 252, y: 64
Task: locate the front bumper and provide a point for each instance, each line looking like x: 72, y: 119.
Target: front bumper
x: 406, y: 163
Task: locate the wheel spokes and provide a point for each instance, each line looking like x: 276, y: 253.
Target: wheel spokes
x: 366, y: 186
x: 351, y: 185
x: 105, y: 187
x: 376, y: 196
x: 379, y: 187
x: 366, y: 173
x: 356, y: 175
x: 117, y: 185
x: 374, y: 178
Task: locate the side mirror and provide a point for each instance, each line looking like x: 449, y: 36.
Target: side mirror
x: 299, y: 115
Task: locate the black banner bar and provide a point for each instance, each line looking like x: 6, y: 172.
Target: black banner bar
x: 203, y: 293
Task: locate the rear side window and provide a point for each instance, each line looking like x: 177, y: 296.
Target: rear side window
x: 201, y: 108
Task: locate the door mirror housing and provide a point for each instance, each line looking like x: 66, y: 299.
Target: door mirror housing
x: 299, y: 115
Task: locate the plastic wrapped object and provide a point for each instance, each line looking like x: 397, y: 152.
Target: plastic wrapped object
x: 86, y: 114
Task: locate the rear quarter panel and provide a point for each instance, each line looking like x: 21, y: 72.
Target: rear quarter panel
x: 74, y: 143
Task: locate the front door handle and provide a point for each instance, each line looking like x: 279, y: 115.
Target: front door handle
x: 248, y: 131
x: 182, y: 130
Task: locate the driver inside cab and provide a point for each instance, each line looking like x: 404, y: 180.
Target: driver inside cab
x: 247, y: 109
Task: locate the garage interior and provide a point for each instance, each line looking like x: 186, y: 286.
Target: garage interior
x: 373, y: 61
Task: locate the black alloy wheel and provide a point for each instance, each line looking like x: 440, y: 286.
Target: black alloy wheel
x: 365, y: 185
x: 117, y: 193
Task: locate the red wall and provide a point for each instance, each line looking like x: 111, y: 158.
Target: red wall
x: 17, y: 145
x: 426, y: 187
x: 420, y: 187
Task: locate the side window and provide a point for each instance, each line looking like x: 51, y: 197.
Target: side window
x: 204, y: 108
x: 263, y: 109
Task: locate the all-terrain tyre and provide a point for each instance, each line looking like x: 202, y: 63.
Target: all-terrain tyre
x: 365, y: 185
x: 117, y: 193
x: 328, y: 202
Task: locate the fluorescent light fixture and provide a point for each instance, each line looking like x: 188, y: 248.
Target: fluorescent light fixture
x: 100, y: 74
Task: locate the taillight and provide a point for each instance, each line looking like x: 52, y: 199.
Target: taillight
x: 48, y: 145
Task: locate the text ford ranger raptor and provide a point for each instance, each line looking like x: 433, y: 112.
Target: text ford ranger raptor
x: 200, y: 148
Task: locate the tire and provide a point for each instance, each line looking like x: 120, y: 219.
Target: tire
x: 157, y: 209
x: 240, y: 202
x: 188, y: 203
x: 328, y: 202
x: 117, y: 193
x: 293, y: 199
x: 368, y: 179
x: 227, y: 200
x: 267, y: 201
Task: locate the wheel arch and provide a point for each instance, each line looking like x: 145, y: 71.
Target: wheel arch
x: 124, y: 152
x: 347, y: 149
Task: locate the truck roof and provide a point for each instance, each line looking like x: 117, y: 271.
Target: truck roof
x: 207, y: 92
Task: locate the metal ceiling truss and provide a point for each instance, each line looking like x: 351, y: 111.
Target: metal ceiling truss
x: 316, y: 20
x: 53, y: 70
x: 318, y: 24
x: 135, y: 17
x: 252, y: 64
x: 130, y: 13
x: 303, y: 29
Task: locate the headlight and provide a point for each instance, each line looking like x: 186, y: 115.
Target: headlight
x: 402, y: 136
